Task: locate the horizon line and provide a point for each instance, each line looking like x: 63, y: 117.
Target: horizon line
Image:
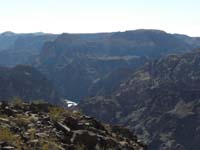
x: 98, y: 32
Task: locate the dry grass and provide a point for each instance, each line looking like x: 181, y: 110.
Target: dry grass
x: 56, y: 113
x: 6, y: 135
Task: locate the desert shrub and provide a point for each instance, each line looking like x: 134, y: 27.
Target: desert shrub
x: 17, y: 102
x: 21, y: 120
x: 39, y: 101
x: 49, y: 144
x: 32, y: 133
x: 10, y: 137
x: 6, y: 135
x: 4, y: 116
x: 56, y: 113
x: 80, y: 147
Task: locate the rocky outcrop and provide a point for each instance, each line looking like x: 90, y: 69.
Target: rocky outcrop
x: 43, y: 126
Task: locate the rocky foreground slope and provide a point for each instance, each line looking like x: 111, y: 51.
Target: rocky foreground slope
x: 40, y: 126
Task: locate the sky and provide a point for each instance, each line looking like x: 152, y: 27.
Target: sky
x: 91, y: 16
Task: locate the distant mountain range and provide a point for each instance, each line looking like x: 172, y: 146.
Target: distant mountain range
x: 97, y: 55
x: 145, y: 80
x: 76, y: 63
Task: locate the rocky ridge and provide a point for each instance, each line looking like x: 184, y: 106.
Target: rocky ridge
x: 45, y: 127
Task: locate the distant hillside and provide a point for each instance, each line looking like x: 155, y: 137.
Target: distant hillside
x: 20, y: 48
x: 27, y: 83
x: 75, y: 62
x: 160, y: 102
x: 110, y: 82
x: 74, y: 79
x: 151, y: 43
x: 7, y: 39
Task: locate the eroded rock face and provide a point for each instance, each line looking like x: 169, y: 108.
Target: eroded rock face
x: 29, y: 126
x: 160, y: 101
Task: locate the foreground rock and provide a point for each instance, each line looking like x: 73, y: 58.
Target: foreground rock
x: 46, y: 127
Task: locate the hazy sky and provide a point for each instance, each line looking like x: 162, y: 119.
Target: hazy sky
x: 81, y: 16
